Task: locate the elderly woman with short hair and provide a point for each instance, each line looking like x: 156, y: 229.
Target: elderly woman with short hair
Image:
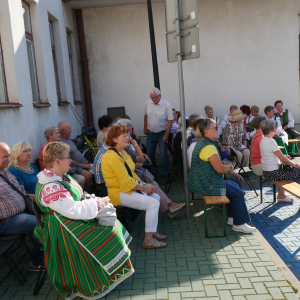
x: 21, y: 168
x: 255, y: 155
x: 206, y: 177
x: 51, y: 134
x: 83, y: 258
x: 234, y: 137
x: 271, y: 156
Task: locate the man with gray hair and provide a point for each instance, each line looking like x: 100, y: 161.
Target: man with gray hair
x: 157, y: 125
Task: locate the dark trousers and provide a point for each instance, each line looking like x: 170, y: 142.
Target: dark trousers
x: 237, y: 208
x: 154, y: 139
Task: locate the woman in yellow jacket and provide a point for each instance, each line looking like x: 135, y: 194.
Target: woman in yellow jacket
x: 126, y: 189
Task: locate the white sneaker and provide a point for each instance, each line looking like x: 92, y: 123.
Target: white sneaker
x: 230, y: 221
x: 243, y: 228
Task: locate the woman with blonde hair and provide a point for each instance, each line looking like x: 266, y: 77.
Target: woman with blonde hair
x: 83, y: 258
x: 209, y: 111
x: 21, y: 168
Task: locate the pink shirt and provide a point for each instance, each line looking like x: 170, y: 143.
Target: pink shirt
x: 41, y: 160
x: 255, y: 155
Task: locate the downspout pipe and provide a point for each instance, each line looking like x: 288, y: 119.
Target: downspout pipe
x: 85, y: 67
x: 153, y: 45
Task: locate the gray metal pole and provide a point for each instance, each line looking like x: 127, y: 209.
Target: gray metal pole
x: 182, y: 110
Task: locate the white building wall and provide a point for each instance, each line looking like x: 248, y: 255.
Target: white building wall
x: 249, y: 55
x: 27, y: 123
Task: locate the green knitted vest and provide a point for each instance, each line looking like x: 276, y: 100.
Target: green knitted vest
x: 203, y: 179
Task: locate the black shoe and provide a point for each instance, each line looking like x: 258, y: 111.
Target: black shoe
x: 35, y: 268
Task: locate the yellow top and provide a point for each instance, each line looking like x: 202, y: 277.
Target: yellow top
x: 116, y: 177
x: 208, y: 151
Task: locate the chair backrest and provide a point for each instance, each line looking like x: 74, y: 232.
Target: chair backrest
x: 37, y: 164
x: 37, y: 213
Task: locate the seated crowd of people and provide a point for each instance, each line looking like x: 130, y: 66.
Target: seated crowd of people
x: 122, y: 174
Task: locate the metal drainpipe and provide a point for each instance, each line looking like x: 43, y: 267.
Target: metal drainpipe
x: 153, y: 45
x: 85, y: 67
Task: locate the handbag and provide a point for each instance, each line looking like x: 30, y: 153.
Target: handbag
x: 285, y: 168
x: 293, y: 133
x: 107, y: 216
x: 27, y: 198
x: 126, y: 166
x: 149, y: 178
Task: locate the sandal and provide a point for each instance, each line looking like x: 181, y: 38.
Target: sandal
x: 285, y: 200
x: 151, y: 245
x: 160, y: 236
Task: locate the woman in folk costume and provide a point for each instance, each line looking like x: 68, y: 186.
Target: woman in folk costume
x: 281, y: 136
x: 245, y: 109
x: 209, y: 111
x: 287, y: 122
x: 82, y: 258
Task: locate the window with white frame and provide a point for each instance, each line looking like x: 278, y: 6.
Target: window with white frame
x: 30, y: 52
x: 3, y: 96
x: 54, y: 60
x: 70, y: 61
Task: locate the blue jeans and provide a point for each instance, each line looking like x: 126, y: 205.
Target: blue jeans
x: 237, y: 208
x: 23, y: 224
x: 154, y: 139
x: 236, y: 180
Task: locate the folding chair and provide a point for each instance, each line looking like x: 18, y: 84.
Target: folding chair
x: 242, y: 171
x: 40, y: 277
x: 174, y: 168
x: 4, y: 247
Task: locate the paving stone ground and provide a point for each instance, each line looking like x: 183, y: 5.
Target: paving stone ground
x: 280, y: 225
x: 192, y: 267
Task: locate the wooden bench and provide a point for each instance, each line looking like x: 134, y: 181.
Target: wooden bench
x: 289, y: 186
x: 293, y: 141
x: 218, y: 203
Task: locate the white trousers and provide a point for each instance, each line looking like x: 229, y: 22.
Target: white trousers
x: 143, y: 202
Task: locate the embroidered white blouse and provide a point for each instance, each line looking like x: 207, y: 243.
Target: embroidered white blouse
x: 59, y: 199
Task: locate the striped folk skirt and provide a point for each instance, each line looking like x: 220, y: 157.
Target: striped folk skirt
x: 82, y: 258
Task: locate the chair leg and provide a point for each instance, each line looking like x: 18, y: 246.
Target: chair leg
x: 14, y: 268
x: 171, y: 178
x: 274, y: 193
x: 129, y: 219
x: 205, y: 220
x: 25, y: 245
x: 39, y: 280
x: 224, y: 219
x: 260, y: 186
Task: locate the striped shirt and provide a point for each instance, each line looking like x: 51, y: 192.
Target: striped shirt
x: 11, y: 202
x: 97, y: 164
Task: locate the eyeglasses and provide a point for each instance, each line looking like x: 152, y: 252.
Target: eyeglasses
x: 67, y: 157
x: 154, y: 97
x: 216, y: 128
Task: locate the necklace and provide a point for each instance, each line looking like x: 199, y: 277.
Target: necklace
x: 31, y: 171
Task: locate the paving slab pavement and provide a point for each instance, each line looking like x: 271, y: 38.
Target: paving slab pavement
x: 191, y: 267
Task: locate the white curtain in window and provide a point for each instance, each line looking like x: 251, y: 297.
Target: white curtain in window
x: 33, y: 79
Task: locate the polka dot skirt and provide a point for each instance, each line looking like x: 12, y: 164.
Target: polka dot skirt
x: 278, y: 175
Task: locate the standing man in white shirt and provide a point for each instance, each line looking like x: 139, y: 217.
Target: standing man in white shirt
x: 158, y: 121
